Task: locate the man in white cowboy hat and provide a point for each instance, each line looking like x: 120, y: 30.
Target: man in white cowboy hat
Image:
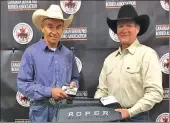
x: 132, y: 73
x: 47, y: 65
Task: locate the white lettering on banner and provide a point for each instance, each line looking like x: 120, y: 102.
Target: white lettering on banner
x: 162, y: 31
x: 75, y: 34
x: 27, y: 1
x: 13, y: 2
x: 28, y: 6
x: 68, y: 31
x: 22, y: 120
x: 22, y: 5
x: 15, y: 66
x: 120, y: 3
x: 12, y: 6
x: 34, y: 1
x: 166, y: 93
x: 14, y: 69
x: 82, y: 94
x: 166, y: 27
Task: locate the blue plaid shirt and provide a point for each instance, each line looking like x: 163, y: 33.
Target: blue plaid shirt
x: 41, y: 69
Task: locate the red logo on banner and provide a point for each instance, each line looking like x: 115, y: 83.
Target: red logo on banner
x: 164, y: 117
x: 70, y: 6
x: 22, y: 100
x: 23, y: 33
x: 79, y: 64
x: 164, y: 62
x: 165, y: 4
x: 113, y: 36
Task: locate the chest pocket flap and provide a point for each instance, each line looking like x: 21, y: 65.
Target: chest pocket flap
x: 132, y: 68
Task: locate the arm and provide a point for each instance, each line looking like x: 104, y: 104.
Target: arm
x: 26, y: 82
x: 152, y: 84
x: 102, y: 89
x: 75, y: 73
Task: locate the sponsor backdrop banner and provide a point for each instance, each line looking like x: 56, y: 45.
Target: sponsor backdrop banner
x: 88, y: 37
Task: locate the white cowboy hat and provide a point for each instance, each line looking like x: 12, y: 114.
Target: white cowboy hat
x: 54, y: 11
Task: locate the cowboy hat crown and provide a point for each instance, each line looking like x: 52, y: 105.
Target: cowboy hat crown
x: 128, y: 12
x: 131, y: 13
x: 54, y: 11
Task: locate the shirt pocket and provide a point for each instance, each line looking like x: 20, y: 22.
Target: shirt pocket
x: 109, y: 71
x: 66, y: 67
x: 133, y: 74
x: 110, y: 74
x: 111, y: 68
x: 65, y: 73
x: 132, y: 69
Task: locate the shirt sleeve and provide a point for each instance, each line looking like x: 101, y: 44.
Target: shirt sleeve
x: 75, y: 73
x: 152, y: 84
x: 102, y: 89
x: 26, y: 83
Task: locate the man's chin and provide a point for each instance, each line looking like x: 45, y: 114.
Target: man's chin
x: 54, y: 41
x: 124, y: 41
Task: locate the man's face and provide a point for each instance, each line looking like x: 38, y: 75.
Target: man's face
x: 53, y: 30
x: 127, y: 31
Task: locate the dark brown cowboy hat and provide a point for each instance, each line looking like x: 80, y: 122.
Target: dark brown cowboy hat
x: 128, y: 12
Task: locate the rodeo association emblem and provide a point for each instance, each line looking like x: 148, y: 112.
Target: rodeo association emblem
x: 164, y: 117
x: 79, y: 64
x: 113, y: 36
x: 22, y: 33
x: 24, y: 101
x: 164, y: 62
x: 70, y: 6
x: 165, y: 4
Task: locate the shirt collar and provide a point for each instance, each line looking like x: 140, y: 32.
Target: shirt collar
x: 44, y: 46
x: 131, y: 48
x: 118, y: 51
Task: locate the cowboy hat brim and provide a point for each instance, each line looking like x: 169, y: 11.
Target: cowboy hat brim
x: 143, y: 21
x: 40, y: 14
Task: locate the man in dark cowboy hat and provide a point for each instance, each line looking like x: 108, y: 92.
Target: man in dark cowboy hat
x: 132, y: 73
x: 47, y: 65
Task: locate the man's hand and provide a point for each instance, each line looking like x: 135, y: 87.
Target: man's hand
x: 73, y: 84
x: 124, y: 113
x: 58, y: 94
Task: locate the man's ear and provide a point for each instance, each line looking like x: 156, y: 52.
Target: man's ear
x: 42, y: 28
x: 137, y: 29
